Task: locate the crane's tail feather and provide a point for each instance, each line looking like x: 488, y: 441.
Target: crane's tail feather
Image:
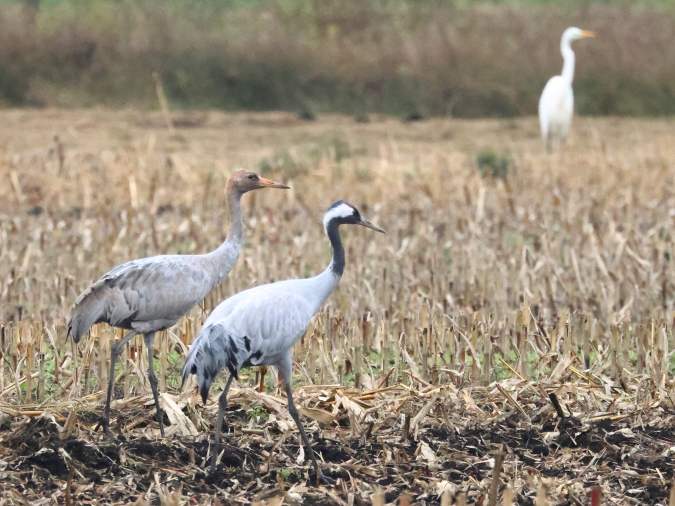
x: 213, y: 350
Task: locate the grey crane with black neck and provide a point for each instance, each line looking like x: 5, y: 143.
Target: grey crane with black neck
x: 153, y: 293
x: 259, y: 326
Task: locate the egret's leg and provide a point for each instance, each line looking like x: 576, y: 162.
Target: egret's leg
x: 149, y: 340
x: 115, y: 351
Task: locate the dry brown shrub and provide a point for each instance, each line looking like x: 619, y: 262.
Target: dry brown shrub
x: 398, y: 57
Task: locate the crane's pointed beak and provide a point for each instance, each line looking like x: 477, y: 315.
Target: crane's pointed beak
x: 587, y: 34
x: 268, y: 183
x: 371, y: 226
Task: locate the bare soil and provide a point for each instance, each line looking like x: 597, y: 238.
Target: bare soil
x: 451, y: 452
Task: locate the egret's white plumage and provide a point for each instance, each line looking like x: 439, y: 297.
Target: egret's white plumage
x: 151, y: 294
x: 556, y: 104
x: 259, y: 326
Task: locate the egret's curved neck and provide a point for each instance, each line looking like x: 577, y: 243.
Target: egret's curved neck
x: 568, y: 60
x: 337, y: 263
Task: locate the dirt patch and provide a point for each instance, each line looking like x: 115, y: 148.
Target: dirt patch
x: 564, y: 458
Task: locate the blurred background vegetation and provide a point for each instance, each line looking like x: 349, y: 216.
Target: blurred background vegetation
x: 406, y: 57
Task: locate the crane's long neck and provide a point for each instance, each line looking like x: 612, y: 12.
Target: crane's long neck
x: 337, y: 263
x: 568, y: 60
x: 225, y: 256
x: 235, y: 233
x: 325, y: 283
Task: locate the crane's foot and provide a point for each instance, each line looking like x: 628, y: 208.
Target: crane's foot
x: 319, y: 477
x: 216, y: 447
x: 104, y: 424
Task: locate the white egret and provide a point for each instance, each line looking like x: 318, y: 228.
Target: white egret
x: 556, y: 104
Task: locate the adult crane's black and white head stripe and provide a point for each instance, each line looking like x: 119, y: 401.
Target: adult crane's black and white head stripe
x: 259, y: 326
x: 342, y: 213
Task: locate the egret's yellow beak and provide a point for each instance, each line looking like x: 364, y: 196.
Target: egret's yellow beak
x: 587, y: 34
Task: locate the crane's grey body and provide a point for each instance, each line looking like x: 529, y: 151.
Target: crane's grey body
x: 153, y: 293
x: 259, y: 326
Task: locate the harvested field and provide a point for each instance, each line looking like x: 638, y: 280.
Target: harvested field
x: 509, y: 340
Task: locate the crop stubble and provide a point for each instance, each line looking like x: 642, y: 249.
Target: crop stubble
x: 443, y: 342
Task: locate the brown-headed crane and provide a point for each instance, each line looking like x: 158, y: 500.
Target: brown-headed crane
x: 153, y: 293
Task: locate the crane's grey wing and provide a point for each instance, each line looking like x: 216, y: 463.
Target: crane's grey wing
x: 91, y: 305
x: 273, y: 320
x: 144, y: 295
x: 255, y: 327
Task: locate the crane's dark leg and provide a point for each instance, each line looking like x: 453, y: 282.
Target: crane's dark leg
x: 296, y: 416
x: 149, y: 340
x: 285, y: 372
x: 222, y: 406
x: 115, y: 351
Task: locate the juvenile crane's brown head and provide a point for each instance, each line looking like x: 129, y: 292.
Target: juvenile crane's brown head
x: 244, y: 181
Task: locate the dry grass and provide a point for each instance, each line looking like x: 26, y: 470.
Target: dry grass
x: 485, y: 296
